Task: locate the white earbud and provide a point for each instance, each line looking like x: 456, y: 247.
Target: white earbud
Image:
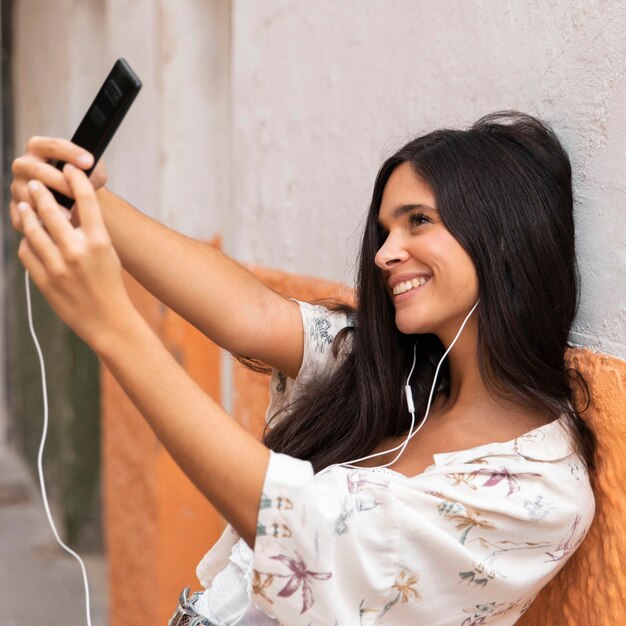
x: 411, y: 407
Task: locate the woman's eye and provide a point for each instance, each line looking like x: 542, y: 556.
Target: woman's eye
x: 418, y: 218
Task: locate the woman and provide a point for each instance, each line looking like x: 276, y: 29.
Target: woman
x: 468, y: 253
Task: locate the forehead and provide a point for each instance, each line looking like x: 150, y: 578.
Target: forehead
x: 405, y: 188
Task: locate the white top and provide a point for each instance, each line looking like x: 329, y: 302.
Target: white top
x: 471, y: 540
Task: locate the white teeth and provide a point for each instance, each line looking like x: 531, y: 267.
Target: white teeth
x: 409, y: 284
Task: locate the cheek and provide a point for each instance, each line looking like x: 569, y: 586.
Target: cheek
x: 469, y: 278
x: 460, y: 268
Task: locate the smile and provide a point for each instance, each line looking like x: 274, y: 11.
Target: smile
x: 409, y: 285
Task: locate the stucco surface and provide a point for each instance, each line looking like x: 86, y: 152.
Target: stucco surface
x: 590, y: 589
x: 321, y: 96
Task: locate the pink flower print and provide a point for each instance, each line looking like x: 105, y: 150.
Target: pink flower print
x: 300, y: 576
x: 496, y: 476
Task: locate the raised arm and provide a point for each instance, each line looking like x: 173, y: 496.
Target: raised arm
x: 217, y: 295
x: 209, y: 289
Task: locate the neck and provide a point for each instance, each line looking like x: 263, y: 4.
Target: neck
x: 468, y: 392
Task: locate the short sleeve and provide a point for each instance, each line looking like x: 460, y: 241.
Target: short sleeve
x: 320, y: 327
x: 461, y: 544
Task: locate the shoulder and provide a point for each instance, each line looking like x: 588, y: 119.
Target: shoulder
x: 321, y: 325
x: 323, y: 351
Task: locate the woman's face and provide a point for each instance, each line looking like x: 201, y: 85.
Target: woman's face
x: 417, y: 247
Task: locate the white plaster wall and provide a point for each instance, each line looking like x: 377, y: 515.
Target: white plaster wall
x: 170, y: 155
x: 323, y: 92
x: 172, y: 161
x: 54, y: 79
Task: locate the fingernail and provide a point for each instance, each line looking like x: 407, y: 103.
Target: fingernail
x: 69, y: 167
x: 33, y: 185
x: 84, y: 160
x: 22, y: 206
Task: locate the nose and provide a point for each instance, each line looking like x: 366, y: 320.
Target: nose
x: 391, y: 253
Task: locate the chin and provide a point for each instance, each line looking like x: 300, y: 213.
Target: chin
x: 408, y: 325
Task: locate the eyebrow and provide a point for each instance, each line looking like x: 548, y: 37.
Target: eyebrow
x: 403, y: 209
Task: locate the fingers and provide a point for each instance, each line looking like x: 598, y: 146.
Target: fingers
x: 16, y: 219
x: 35, y: 165
x: 86, y: 203
x: 53, y: 217
x: 61, y: 149
x: 15, y: 215
x: 39, y: 244
x: 99, y: 176
x: 27, y: 168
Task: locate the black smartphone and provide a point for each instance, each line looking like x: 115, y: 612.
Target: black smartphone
x: 103, y: 117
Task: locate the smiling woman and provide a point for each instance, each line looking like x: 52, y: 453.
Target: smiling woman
x: 478, y: 512
x: 503, y: 199
x: 414, y: 246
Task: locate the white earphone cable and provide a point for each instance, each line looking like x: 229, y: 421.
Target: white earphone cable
x: 409, y: 398
x: 42, y: 445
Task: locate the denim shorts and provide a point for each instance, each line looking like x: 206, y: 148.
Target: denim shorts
x: 186, y: 614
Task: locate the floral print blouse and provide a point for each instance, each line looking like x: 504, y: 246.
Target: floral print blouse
x: 471, y: 540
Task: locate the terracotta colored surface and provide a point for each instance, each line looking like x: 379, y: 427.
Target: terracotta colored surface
x: 188, y: 524
x: 591, y: 588
x: 158, y: 526
x: 128, y: 485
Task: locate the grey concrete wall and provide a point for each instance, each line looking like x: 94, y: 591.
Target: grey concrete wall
x: 321, y: 94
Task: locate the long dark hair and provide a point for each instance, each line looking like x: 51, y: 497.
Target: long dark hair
x: 503, y: 190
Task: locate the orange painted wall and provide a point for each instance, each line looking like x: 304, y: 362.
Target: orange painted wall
x: 591, y: 588
x: 158, y: 526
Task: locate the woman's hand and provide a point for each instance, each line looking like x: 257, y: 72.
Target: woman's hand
x: 34, y: 165
x: 79, y: 273
x: 76, y: 269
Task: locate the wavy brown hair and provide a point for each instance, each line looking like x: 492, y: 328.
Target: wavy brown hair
x: 503, y: 189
